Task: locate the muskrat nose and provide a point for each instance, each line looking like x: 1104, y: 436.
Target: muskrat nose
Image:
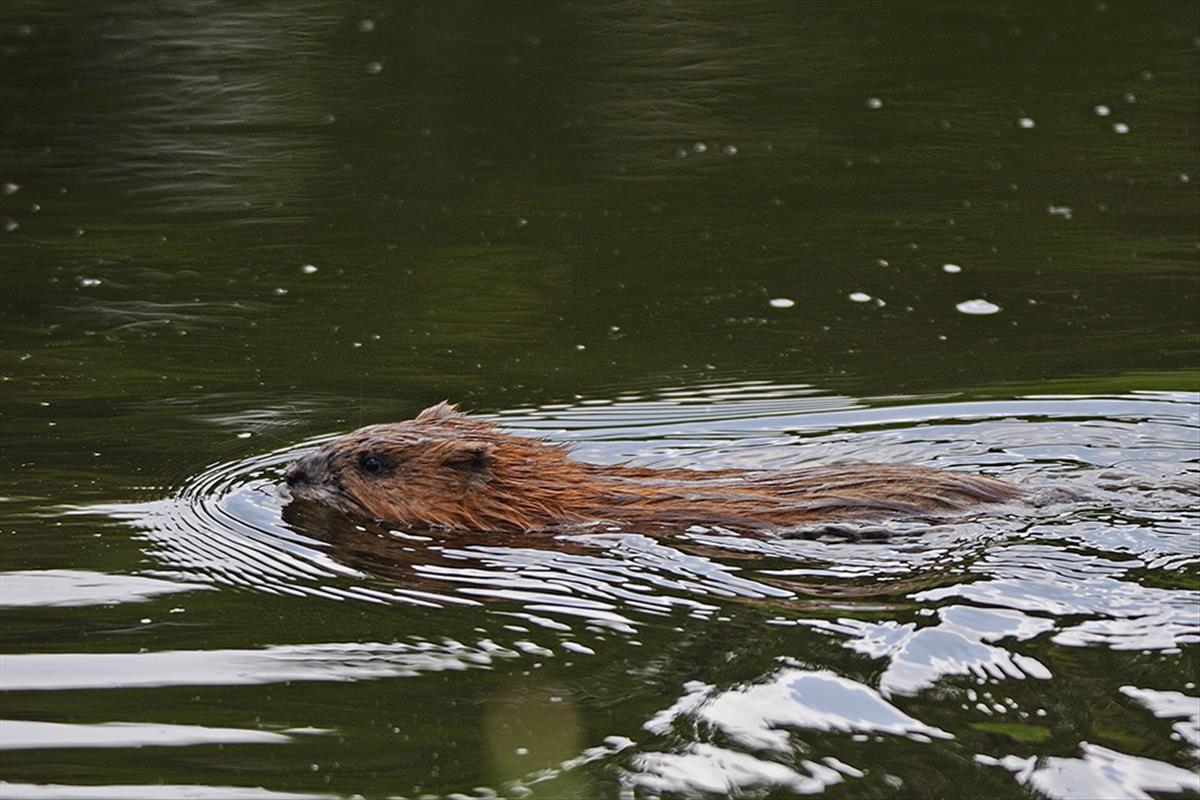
x: 296, y: 474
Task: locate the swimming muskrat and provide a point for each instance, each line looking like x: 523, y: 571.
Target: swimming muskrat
x: 450, y: 470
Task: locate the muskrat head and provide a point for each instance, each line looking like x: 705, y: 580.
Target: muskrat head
x: 421, y: 472
x: 443, y: 468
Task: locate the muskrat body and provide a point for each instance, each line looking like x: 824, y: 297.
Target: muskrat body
x: 450, y: 470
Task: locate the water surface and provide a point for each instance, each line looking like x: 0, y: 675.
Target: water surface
x: 761, y: 235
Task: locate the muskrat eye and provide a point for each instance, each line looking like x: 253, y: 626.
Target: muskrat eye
x: 370, y: 463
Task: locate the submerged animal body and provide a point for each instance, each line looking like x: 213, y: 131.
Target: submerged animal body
x: 447, y: 469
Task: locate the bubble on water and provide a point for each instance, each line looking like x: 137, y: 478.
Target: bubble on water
x: 782, y: 302
x: 1026, y: 122
x: 1184, y: 177
x: 977, y: 306
x: 700, y: 147
x: 280, y: 290
x: 881, y: 262
x: 12, y: 188
x: 244, y: 435
x: 1147, y: 75
x: 730, y: 150
x: 308, y: 269
x: 860, y: 297
x: 10, y: 225
x: 374, y: 68
x: 1059, y: 211
x: 366, y: 25
x: 581, y: 347
x: 951, y: 268
x: 1130, y: 97
x: 874, y: 102
x: 1120, y: 127
x: 1102, y: 110
x: 522, y: 222
x: 90, y: 281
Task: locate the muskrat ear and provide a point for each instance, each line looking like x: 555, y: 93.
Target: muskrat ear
x: 470, y: 456
x: 443, y: 410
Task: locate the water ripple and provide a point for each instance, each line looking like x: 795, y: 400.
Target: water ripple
x: 1103, y: 556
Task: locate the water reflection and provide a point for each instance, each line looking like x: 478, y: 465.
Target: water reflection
x: 761, y: 717
x: 1172, y: 705
x: 758, y: 716
x: 69, y: 587
x: 918, y: 657
x: 707, y: 770
x: 328, y: 661
x: 976, y: 600
x: 661, y: 221
x: 27, y: 735
x: 157, y: 791
x: 1099, y: 772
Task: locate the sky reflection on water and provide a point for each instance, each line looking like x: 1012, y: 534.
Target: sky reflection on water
x: 719, y: 234
x: 981, y: 601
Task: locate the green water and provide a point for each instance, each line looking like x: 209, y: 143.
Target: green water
x: 233, y: 228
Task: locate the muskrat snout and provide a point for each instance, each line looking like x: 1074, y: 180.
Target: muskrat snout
x: 298, y: 473
x: 311, y: 478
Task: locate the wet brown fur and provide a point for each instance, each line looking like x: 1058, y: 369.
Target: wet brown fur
x: 448, y: 469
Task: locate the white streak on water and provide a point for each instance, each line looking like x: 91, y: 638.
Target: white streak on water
x: 1100, y: 772
x: 17, y: 734
x: 69, y: 587
x: 309, y: 662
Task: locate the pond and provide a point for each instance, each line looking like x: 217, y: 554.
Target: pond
x: 750, y: 235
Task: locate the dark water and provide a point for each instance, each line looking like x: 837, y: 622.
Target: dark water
x: 701, y: 235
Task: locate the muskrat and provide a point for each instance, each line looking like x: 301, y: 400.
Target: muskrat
x: 447, y: 469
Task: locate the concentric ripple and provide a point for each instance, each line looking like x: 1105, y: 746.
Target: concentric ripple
x: 225, y: 526
x: 1115, y: 475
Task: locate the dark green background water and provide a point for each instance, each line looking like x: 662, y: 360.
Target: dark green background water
x: 527, y: 205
